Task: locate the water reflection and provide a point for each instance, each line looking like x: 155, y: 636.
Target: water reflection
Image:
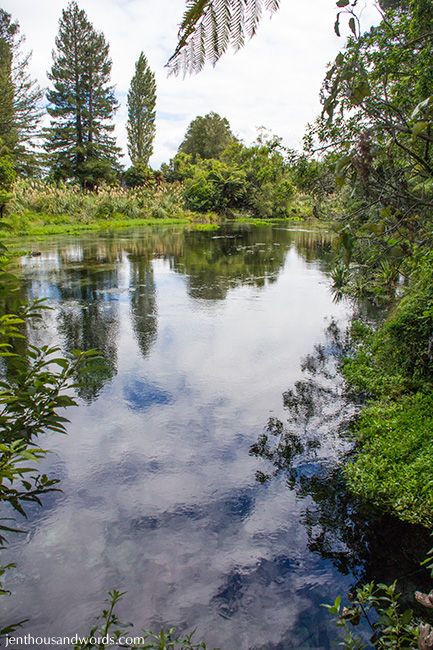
x: 143, y: 302
x: 358, y: 539
x: 87, y: 278
x: 201, y: 333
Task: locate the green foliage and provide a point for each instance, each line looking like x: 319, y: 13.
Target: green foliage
x: 257, y: 179
x: 137, y: 175
x: 81, y: 104
x: 378, y: 606
x: 7, y: 173
x: 392, y: 467
x: 393, y: 368
x: 397, y: 358
x: 377, y: 125
x: 207, y: 136
x: 216, y: 187
x: 20, y: 111
x: 269, y: 176
x: 7, y: 177
x: 141, y: 113
x: 179, y: 168
x: 8, y: 133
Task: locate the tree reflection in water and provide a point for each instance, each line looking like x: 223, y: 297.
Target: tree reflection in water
x: 310, y: 449
x: 88, y: 319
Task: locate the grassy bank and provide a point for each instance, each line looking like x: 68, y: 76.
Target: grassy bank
x: 39, y: 209
x: 40, y: 225
x: 393, y: 369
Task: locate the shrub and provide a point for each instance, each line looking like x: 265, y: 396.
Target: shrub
x: 137, y: 175
x: 393, y: 368
x: 216, y: 187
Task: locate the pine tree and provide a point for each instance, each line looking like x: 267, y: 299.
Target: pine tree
x: 8, y: 136
x: 80, y: 139
x: 141, y: 113
x: 20, y: 111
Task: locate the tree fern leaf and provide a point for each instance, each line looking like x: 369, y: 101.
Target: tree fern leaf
x: 253, y: 16
x: 208, y: 28
x: 272, y: 5
x: 237, y: 18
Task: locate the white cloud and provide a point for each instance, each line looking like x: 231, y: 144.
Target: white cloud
x: 273, y: 82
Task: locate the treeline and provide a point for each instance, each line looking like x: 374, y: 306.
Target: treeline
x: 216, y: 171
x: 79, y: 144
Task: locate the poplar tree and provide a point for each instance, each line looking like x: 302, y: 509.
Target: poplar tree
x: 80, y: 140
x: 20, y: 98
x: 141, y: 113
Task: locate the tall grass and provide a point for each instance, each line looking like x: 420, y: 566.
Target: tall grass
x: 67, y: 204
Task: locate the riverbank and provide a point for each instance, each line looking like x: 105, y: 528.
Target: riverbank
x: 392, y: 370
x: 41, y: 225
x: 38, y: 209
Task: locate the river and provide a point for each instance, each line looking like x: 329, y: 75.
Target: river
x: 169, y: 490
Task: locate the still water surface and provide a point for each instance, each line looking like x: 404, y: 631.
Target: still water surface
x: 163, y: 495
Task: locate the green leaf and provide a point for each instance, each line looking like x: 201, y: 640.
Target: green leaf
x: 360, y: 92
x: 419, y: 127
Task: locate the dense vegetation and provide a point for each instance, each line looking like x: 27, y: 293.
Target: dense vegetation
x: 377, y: 121
x: 392, y: 369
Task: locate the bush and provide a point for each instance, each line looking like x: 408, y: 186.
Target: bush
x: 137, y: 175
x: 393, y: 368
x: 216, y: 187
x: 393, y: 465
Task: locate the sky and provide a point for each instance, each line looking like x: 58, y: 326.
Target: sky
x: 273, y: 82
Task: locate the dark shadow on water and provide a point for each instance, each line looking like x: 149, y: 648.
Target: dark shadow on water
x: 309, y: 450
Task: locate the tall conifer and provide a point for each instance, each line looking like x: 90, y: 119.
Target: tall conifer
x: 20, y: 98
x: 82, y: 103
x: 141, y: 113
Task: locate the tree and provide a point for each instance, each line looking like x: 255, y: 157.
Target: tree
x: 82, y: 103
x: 377, y: 122
x: 7, y: 127
x: 141, y: 113
x: 20, y: 111
x: 207, y: 136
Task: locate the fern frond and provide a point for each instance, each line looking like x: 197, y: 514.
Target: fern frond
x: 237, y: 24
x: 209, y: 27
x: 254, y: 14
